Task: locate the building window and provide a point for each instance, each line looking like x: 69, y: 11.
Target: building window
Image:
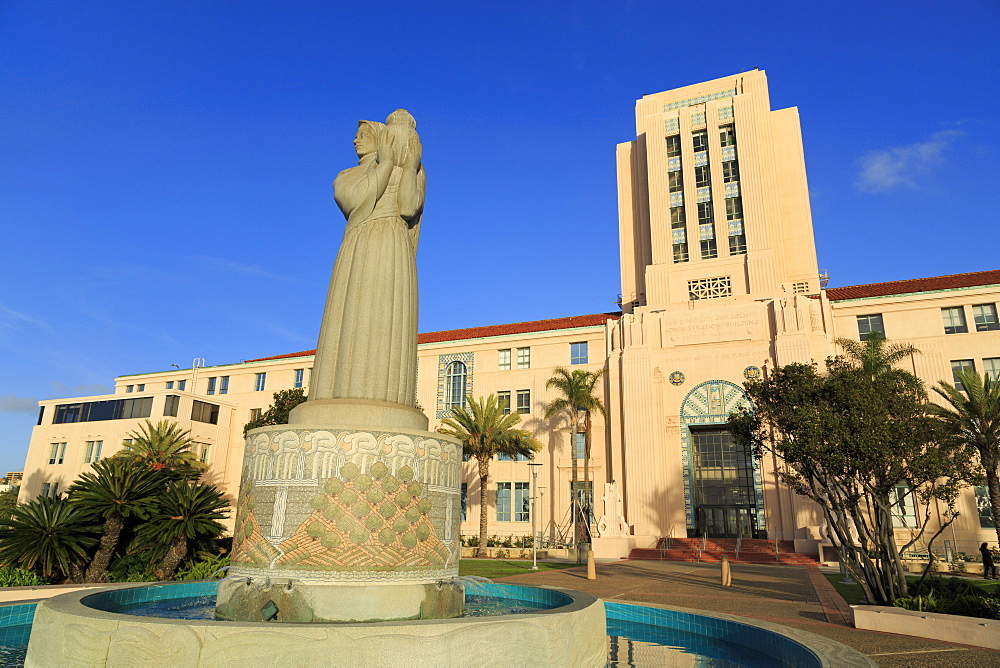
x: 300, y: 375
x: 800, y: 288
x: 727, y: 135
x: 578, y: 353
x: 112, y: 409
x: 202, y: 451
x: 710, y: 288
x: 522, y: 502
x: 730, y: 172
x: 41, y: 414
x: 455, y: 377
x: 171, y: 404
x: 991, y: 368
x: 580, y: 447
x: 503, y: 457
x: 57, y: 453
x: 503, y: 400
x: 503, y: 502
x: 181, y: 385
x: 675, y: 182
x: 734, y: 221
x: 211, y: 385
x: 870, y: 324
x: 961, y: 365
x: 524, y: 358
x: 202, y: 411
x: 985, y: 317
x: 583, y: 494
x: 503, y: 359
x: 465, y: 499
x: 224, y: 385
x: 129, y: 389
x: 50, y: 489
x: 259, y: 380
x: 706, y: 231
x: 674, y: 146
x: 954, y: 320
x: 700, y: 140
x: 93, y: 452
x: 255, y: 413
x: 126, y: 444
x: 904, y: 514
x: 678, y: 231
x: 170, y: 384
x: 984, y: 507
x: 140, y: 388
x: 702, y: 176
x: 524, y: 401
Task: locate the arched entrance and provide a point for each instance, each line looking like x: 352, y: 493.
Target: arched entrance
x: 723, y: 489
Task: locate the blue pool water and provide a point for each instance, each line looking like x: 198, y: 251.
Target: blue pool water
x: 638, y: 636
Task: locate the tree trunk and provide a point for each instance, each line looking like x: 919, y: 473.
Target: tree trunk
x: 484, y: 476
x: 178, y: 548
x: 573, y: 479
x: 588, y: 489
x: 97, y: 571
x: 993, y: 485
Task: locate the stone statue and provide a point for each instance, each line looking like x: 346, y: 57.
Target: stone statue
x: 366, y: 354
x: 612, y: 522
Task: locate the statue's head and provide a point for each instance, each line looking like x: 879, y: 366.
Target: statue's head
x: 366, y: 140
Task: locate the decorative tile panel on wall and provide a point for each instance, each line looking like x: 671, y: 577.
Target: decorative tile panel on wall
x: 710, y: 403
x: 701, y: 99
x: 725, y: 113
x: 679, y: 235
x: 676, y: 199
x: 735, y: 227
x: 672, y: 124
x: 701, y: 158
x: 733, y: 189
x: 674, y: 164
x: 705, y: 193
x: 706, y: 232
x: 728, y: 153
x: 443, y: 362
x: 698, y: 118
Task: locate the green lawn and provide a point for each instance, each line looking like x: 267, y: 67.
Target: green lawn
x: 853, y: 593
x: 498, y: 568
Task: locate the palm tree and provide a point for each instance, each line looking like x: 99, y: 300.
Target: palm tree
x: 486, y: 431
x: 973, y: 416
x: 115, y: 490
x: 187, y: 511
x: 50, y: 533
x: 876, y: 355
x: 577, y: 401
x: 163, y: 446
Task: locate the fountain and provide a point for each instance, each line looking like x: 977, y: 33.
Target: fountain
x: 346, y: 540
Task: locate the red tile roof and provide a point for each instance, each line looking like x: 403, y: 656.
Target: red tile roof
x: 490, y: 330
x: 913, y: 285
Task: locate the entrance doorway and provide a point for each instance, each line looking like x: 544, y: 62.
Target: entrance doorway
x: 722, y: 486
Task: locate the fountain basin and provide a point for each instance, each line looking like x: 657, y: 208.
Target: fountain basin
x: 71, y: 629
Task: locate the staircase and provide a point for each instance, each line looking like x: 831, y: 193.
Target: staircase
x: 751, y: 551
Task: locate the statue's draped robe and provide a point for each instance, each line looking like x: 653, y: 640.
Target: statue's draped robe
x: 368, y: 340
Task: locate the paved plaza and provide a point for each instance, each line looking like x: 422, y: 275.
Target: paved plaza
x: 795, y: 596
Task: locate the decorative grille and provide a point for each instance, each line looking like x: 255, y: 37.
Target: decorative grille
x: 710, y: 288
x: 701, y: 99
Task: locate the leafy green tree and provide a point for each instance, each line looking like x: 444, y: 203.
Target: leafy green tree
x: 577, y: 402
x: 277, y: 413
x: 50, y: 534
x: 858, y: 441
x: 186, y: 511
x: 117, y: 489
x: 163, y: 446
x: 486, y: 431
x: 876, y: 356
x: 972, y: 415
x: 8, y: 500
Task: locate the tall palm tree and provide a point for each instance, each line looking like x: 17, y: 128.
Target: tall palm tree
x: 163, y: 446
x: 876, y: 355
x: 116, y: 489
x: 973, y: 416
x: 187, y: 511
x: 577, y: 402
x: 486, y: 431
x: 50, y: 533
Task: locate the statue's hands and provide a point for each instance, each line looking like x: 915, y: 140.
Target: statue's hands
x: 414, y: 152
x: 386, y: 153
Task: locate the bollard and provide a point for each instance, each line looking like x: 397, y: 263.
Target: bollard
x: 591, y: 567
x: 727, y: 577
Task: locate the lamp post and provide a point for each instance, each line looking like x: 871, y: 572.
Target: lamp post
x: 534, y: 521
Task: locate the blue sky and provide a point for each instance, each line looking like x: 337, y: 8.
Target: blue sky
x: 165, y: 167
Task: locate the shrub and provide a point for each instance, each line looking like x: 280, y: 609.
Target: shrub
x: 205, y: 568
x: 19, y: 577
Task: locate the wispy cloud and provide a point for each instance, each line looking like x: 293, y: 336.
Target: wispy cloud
x: 85, y: 390
x: 10, y: 403
x: 900, y: 166
x: 12, y: 319
x: 223, y: 264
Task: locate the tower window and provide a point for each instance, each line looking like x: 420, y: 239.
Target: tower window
x: 673, y: 146
x: 954, y: 320
x: 455, y: 377
x: 727, y: 135
x: 985, y: 317
x: 700, y: 140
x: 702, y: 176
x: 675, y: 182
x: 869, y: 325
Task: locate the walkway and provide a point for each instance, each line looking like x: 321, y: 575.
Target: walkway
x: 782, y: 594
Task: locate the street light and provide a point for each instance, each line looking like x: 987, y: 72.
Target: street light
x: 534, y: 521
